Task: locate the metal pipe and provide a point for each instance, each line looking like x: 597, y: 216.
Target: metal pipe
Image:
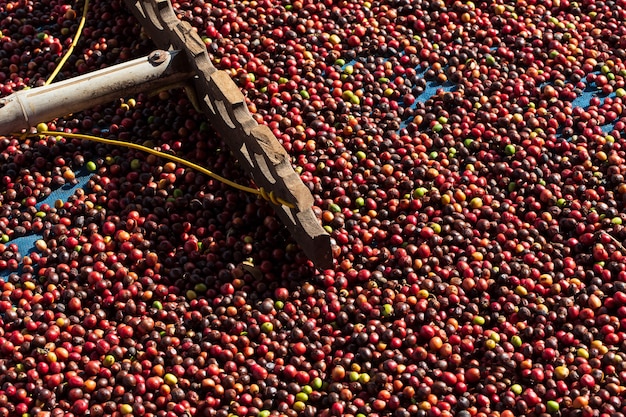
x: 27, y: 108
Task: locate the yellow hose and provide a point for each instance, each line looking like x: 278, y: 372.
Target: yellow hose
x: 68, y: 53
x: 269, y: 196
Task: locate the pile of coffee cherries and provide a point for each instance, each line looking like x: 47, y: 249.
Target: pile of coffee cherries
x: 465, y: 156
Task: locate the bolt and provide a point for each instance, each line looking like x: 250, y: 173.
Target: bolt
x: 157, y: 57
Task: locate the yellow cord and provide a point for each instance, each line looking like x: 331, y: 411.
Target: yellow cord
x: 269, y: 196
x: 69, y: 52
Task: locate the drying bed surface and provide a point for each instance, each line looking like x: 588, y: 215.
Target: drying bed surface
x: 465, y: 157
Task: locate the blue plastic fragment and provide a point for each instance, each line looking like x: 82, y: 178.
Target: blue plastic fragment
x: 26, y: 244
